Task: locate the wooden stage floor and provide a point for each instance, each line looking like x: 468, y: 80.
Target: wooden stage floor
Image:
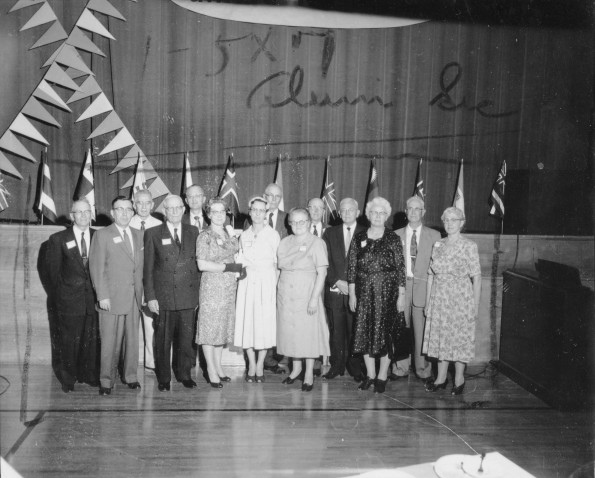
x: 275, y: 430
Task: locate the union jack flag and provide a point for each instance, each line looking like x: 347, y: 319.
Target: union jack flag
x: 328, y: 195
x: 418, y: 190
x: 229, y: 188
x: 497, y: 197
x: 45, y: 200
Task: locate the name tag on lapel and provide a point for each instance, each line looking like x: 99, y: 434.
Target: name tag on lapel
x: 166, y: 242
x: 220, y: 242
x: 364, y: 243
x: 302, y: 248
x: 117, y: 240
x: 70, y: 244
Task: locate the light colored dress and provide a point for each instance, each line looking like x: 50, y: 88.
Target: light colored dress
x: 256, y: 302
x: 450, y: 322
x: 300, y: 335
x: 216, y: 309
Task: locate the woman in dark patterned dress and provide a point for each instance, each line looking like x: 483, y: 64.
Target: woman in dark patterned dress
x: 376, y: 277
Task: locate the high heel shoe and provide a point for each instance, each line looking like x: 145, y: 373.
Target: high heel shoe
x: 225, y: 379
x: 458, y: 390
x: 307, y: 387
x: 289, y: 380
x: 434, y: 387
x: 250, y: 378
x: 259, y: 378
x: 216, y: 385
x: 366, y: 384
x: 380, y: 386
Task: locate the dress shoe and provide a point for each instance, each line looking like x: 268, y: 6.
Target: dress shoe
x: 307, y: 387
x: 380, y: 386
x: 276, y: 369
x: 259, y: 378
x: 366, y: 384
x: 104, y: 390
x: 133, y: 385
x: 163, y: 387
x: 393, y: 377
x: 225, y: 379
x: 332, y: 374
x: 67, y: 388
x: 434, y: 387
x: 458, y: 390
x: 289, y: 380
x: 189, y: 383
x: 216, y: 385
x: 250, y: 378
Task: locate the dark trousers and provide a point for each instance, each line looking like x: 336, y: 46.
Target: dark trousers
x: 340, y: 322
x: 170, y: 323
x: 78, y: 348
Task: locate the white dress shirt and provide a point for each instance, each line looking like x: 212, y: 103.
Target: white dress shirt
x: 77, y: 237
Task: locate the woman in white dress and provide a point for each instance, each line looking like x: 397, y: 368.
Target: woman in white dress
x: 256, y: 315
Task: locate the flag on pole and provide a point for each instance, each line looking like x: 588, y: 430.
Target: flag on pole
x: 328, y: 195
x: 459, y: 200
x: 373, y: 184
x: 45, y: 203
x: 140, y: 181
x: 497, y: 198
x: 229, y: 189
x: 418, y: 190
x: 3, y: 194
x: 279, y: 181
x: 187, y: 177
x: 85, y: 188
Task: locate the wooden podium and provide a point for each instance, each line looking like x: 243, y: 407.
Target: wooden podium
x: 545, y: 338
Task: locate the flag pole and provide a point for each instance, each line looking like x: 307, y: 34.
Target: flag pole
x: 43, y: 179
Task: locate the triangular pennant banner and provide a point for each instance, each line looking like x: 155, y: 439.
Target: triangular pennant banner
x: 112, y: 122
x: 81, y: 41
x: 68, y: 56
x: 89, y: 87
x: 158, y: 188
x: 35, y: 110
x: 105, y: 7
x: 100, y: 105
x: 25, y: 3
x: 87, y: 21
x: 7, y: 167
x: 58, y: 76
x: 74, y: 73
x: 122, y: 140
x: 130, y: 159
x: 44, y: 15
x: 148, y: 175
x: 21, y: 125
x: 12, y: 144
x: 53, y: 34
x: 46, y: 93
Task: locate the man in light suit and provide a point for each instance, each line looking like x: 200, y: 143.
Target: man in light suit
x: 195, y: 198
x: 171, y: 282
x: 336, y: 293
x: 143, y: 220
x: 67, y: 262
x: 116, y: 265
x: 418, y: 241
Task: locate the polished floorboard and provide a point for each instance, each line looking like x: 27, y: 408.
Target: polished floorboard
x: 271, y: 429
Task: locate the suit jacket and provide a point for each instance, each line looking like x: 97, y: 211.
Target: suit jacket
x: 282, y: 226
x: 170, y: 273
x: 116, y: 274
x: 428, y: 238
x: 205, y: 220
x: 69, y: 277
x: 337, y: 260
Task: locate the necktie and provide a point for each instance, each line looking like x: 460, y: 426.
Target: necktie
x: 84, y: 249
x: 176, y: 238
x: 413, y: 250
x: 142, y: 226
x: 127, y: 242
x: 315, y: 230
x: 347, y: 240
x: 271, y: 220
x: 197, y: 222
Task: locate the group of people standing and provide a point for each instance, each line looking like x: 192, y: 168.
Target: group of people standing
x: 288, y: 291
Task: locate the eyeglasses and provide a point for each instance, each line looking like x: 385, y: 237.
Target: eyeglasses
x: 174, y: 209
x: 143, y: 203
x: 195, y: 196
x: 451, y: 220
x: 273, y: 196
x: 415, y: 209
x: 217, y: 212
x: 347, y: 211
x: 82, y: 213
x: 258, y: 211
x: 299, y: 223
x: 123, y: 210
x: 378, y: 213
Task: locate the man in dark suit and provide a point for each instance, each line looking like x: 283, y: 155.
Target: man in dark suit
x: 116, y: 266
x: 195, y: 198
x: 171, y: 282
x: 418, y: 241
x: 336, y: 293
x: 276, y: 218
x: 67, y: 262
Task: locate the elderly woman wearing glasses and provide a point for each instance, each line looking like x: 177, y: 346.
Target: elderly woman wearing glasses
x: 215, y: 250
x: 256, y: 314
x: 376, y: 278
x: 452, y: 305
x: 302, y: 332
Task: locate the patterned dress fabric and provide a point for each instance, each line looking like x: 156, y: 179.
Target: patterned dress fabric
x: 300, y: 335
x: 216, y: 312
x: 256, y: 302
x: 450, y: 322
x: 377, y: 267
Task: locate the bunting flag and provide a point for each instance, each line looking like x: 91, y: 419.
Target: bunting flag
x: 45, y: 197
x: 418, y: 189
x: 53, y: 34
x: 3, y: 195
x: 459, y: 199
x: 373, y: 184
x: 187, y: 177
x: 44, y: 15
x: 328, y: 195
x: 129, y: 159
x: 279, y: 182
x: 85, y: 188
x: 140, y: 181
x: 229, y: 189
x: 7, y: 167
x: 497, y: 198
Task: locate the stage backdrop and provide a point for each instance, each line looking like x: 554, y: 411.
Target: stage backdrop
x: 184, y: 82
